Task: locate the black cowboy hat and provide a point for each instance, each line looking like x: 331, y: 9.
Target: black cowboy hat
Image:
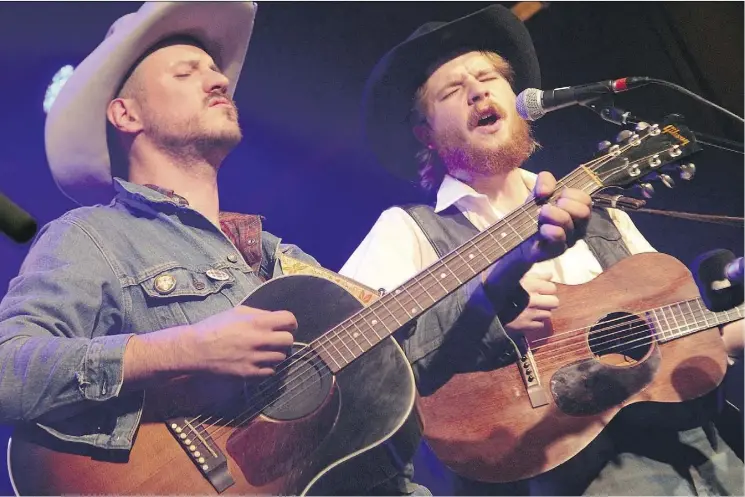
x: 389, y: 92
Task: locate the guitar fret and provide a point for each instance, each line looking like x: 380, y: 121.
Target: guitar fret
x: 429, y: 273
x: 493, y: 237
x: 327, y: 356
x: 664, y: 315
x: 353, y: 336
x: 377, y: 318
x: 394, y: 296
x: 387, y: 308
x: 447, y: 266
x: 331, y: 341
x: 340, y: 337
x: 467, y: 263
x: 480, y: 252
x: 685, y: 320
x: 703, y: 312
x: 693, y: 314
x: 664, y: 331
x: 354, y: 323
x: 674, y: 318
x: 425, y: 290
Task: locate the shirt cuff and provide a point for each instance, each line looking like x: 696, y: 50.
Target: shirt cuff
x: 102, y: 372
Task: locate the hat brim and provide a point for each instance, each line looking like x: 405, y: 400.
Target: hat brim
x: 389, y: 92
x: 75, y: 130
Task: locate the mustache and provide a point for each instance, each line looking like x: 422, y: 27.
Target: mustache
x: 489, y: 106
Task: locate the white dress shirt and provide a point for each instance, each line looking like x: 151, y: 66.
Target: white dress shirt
x: 396, y: 249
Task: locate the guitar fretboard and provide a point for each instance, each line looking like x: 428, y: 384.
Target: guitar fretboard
x: 687, y: 317
x: 358, y: 334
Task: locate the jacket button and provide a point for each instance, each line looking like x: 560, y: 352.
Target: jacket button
x: 218, y: 274
x: 233, y: 258
x: 165, y: 284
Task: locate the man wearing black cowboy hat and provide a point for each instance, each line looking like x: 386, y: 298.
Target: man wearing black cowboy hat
x: 439, y: 109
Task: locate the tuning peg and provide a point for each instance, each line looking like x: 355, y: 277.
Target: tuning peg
x: 687, y: 171
x: 647, y: 190
x: 667, y: 180
x: 623, y: 135
x: 604, y: 145
x: 641, y: 126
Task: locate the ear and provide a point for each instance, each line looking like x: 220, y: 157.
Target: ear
x: 123, y: 114
x: 423, y: 134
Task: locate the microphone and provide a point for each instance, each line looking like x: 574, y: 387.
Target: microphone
x: 719, y: 280
x: 734, y: 271
x: 533, y: 104
x: 15, y: 222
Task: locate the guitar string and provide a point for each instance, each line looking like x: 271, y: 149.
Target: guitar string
x: 338, y: 332
x: 677, y: 332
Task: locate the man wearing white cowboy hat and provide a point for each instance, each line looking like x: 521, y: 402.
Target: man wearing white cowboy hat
x: 73, y: 322
x: 439, y: 109
x: 143, y: 283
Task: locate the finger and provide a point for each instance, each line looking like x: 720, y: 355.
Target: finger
x: 544, y: 185
x: 541, y: 287
x: 576, y: 195
x: 244, y: 309
x: 576, y: 210
x: 275, y: 340
x: 544, y: 302
x: 552, y: 235
x: 263, y: 372
x: 276, y: 321
x: 268, y: 358
x: 538, y: 315
x: 551, y: 214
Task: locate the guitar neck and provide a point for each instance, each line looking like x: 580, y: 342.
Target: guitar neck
x: 358, y: 334
x: 687, y: 317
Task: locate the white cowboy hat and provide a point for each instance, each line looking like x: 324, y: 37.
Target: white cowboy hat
x: 75, y: 131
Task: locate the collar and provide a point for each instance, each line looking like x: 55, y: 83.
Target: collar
x: 453, y: 190
x: 149, y: 193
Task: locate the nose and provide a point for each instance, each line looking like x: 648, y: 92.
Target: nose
x: 216, y: 83
x: 477, y: 91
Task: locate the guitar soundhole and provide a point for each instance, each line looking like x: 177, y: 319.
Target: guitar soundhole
x: 298, y: 389
x: 620, y: 339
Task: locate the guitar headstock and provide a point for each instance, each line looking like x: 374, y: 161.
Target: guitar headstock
x: 646, y: 154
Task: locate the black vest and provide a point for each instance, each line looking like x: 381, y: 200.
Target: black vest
x: 450, y: 229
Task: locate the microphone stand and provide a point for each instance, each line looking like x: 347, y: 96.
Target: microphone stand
x: 606, y: 110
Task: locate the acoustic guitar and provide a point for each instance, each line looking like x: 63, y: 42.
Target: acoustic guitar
x: 343, y: 394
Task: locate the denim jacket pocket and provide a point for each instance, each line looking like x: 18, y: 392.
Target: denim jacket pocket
x: 176, y: 295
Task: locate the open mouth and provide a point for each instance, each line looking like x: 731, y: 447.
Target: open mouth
x: 487, y: 120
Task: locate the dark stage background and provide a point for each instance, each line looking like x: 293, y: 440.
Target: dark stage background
x: 302, y: 164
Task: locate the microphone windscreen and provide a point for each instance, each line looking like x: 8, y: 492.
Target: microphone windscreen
x: 717, y: 292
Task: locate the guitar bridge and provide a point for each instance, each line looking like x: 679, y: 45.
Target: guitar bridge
x: 203, y: 452
x: 529, y: 372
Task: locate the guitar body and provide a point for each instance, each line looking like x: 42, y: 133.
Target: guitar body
x: 315, y: 440
x: 483, y: 426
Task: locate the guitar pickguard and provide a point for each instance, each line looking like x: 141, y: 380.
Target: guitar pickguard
x: 589, y: 387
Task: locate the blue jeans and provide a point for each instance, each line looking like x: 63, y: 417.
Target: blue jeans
x: 644, y: 462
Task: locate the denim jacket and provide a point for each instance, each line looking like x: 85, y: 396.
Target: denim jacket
x: 88, y: 284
